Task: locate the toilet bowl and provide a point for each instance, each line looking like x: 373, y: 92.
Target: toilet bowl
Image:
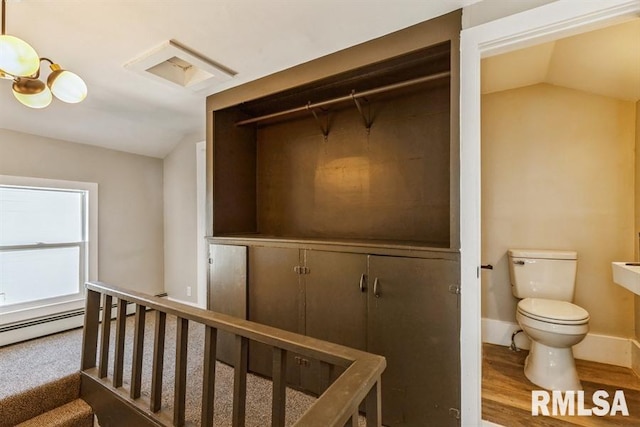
x: 554, y: 327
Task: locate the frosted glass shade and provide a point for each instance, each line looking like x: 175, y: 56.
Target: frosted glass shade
x: 17, y: 57
x: 35, y: 94
x: 67, y: 86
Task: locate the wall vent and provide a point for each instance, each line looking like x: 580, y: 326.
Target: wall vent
x: 178, y: 65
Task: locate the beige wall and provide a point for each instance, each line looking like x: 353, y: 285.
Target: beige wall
x: 637, y: 217
x: 130, y: 194
x: 558, y: 172
x: 180, y: 228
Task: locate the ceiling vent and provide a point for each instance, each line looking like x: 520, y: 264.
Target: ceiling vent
x: 176, y: 64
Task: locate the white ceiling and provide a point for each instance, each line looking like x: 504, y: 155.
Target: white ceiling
x: 604, y: 62
x: 127, y: 111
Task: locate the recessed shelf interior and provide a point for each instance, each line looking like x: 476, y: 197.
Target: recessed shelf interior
x: 286, y: 176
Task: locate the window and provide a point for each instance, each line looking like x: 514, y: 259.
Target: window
x: 45, y: 246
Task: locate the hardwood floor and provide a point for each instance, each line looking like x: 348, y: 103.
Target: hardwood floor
x: 506, y: 392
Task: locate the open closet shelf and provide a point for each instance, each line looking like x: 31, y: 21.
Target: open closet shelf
x: 386, y: 187
x: 354, y: 97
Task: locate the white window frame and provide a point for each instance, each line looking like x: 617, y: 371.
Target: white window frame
x: 18, y: 313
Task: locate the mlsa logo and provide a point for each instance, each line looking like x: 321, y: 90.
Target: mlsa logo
x: 572, y: 403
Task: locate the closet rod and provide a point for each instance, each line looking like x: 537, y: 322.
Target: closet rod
x: 345, y: 98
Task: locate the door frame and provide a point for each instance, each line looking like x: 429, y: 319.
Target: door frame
x: 555, y: 20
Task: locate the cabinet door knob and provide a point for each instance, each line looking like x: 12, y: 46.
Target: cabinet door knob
x: 376, y: 288
x: 363, y: 283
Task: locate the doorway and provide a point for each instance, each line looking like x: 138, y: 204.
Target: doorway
x: 550, y: 22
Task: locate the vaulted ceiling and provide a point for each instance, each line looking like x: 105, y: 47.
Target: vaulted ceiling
x: 604, y: 62
x: 130, y: 112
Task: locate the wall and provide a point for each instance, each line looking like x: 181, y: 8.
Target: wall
x: 558, y: 172
x: 130, y: 215
x: 490, y: 10
x: 637, y: 219
x: 391, y: 183
x: 180, y: 226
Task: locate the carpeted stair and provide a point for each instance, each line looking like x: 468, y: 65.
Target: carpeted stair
x: 56, y: 404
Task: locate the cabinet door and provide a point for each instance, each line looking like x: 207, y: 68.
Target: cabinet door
x: 274, y: 300
x: 414, y: 322
x: 227, y: 290
x: 336, y: 306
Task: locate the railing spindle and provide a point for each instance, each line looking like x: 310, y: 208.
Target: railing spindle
x: 103, y: 365
x: 374, y: 406
x: 240, y: 382
x: 138, y: 346
x: 155, y: 400
x: 180, y: 392
x: 90, y: 336
x: 338, y: 406
x: 118, y: 359
x: 326, y: 372
x: 209, y: 376
x: 353, y: 421
x: 279, y: 399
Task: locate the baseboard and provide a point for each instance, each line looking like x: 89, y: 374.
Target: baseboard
x: 635, y: 356
x: 36, y: 328
x: 192, y: 304
x: 595, y: 347
x: 486, y: 423
x: 36, y: 331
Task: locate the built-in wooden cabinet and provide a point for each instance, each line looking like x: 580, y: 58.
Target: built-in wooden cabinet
x: 413, y: 320
x: 314, y: 293
x: 339, y: 178
x: 227, y: 290
x: 275, y: 299
x: 403, y: 307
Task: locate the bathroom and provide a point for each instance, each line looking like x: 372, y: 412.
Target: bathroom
x: 560, y: 129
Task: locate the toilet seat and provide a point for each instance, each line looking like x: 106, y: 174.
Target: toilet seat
x: 553, y: 311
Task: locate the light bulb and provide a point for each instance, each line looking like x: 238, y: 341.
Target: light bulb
x: 17, y: 57
x: 66, y: 86
x: 32, y: 93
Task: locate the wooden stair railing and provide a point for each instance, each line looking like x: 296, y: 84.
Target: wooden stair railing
x: 338, y: 406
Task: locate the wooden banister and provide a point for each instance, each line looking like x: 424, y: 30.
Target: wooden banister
x: 337, y: 406
x: 155, y: 401
x: 121, y: 324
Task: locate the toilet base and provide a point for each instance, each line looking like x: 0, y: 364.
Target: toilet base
x: 551, y: 368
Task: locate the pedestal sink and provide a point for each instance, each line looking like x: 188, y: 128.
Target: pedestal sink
x: 627, y: 274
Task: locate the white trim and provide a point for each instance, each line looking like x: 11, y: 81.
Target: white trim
x: 193, y: 304
x: 595, y: 347
x: 544, y: 23
x: 486, y: 423
x: 53, y: 306
x: 499, y: 332
x: 635, y: 356
x: 201, y: 225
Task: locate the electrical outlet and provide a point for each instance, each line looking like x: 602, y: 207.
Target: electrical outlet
x: 188, y: 291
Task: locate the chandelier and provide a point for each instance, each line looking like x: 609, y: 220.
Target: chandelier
x: 20, y: 62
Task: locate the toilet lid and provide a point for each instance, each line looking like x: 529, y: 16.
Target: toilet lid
x: 553, y: 311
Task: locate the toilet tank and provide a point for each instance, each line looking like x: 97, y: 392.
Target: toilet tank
x: 543, y: 273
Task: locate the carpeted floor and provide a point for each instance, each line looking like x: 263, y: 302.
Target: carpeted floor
x: 29, y: 364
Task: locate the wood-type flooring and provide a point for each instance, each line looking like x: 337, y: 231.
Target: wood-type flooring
x: 506, y: 392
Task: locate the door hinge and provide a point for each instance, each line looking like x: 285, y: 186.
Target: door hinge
x: 455, y: 413
x: 211, y: 261
x: 301, y: 269
x: 454, y: 289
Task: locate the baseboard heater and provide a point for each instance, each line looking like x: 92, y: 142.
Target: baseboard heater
x: 42, y: 326
x: 41, y: 320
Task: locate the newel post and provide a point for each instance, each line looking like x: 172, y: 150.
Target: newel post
x: 90, y: 330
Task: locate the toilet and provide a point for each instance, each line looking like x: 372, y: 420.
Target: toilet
x: 544, y: 281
